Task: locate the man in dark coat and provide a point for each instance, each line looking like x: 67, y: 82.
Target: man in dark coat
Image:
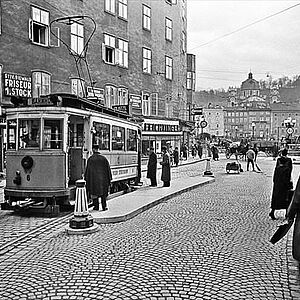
x: 281, y: 183
x: 176, y: 156
x: 166, y: 167
x: 152, y: 167
x: 98, y: 178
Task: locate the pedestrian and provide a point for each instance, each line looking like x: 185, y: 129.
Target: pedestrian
x: 184, y: 151
x: 200, y: 150
x: 166, y: 168
x: 255, y: 149
x: 250, y: 154
x: 176, y: 156
x: 98, y: 178
x: 215, y: 152
x: 282, y: 183
x: 275, y: 150
x: 152, y: 167
x: 171, y: 152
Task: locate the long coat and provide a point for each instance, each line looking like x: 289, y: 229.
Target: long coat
x: 281, y: 183
x: 97, y: 175
x: 152, y: 166
x: 166, y: 168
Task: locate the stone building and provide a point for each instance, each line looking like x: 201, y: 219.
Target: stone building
x: 135, y: 58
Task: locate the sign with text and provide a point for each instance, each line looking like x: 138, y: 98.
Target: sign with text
x: 17, y: 85
x: 135, y: 104
x: 122, y: 108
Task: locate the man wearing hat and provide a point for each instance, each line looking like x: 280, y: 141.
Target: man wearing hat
x: 98, y: 178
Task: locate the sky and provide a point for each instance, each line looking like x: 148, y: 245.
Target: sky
x: 232, y: 38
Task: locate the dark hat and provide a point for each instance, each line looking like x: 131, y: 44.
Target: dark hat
x: 164, y: 148
x: 96, y: 146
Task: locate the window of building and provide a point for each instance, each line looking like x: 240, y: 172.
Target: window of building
x: 146, y: 104
x: 29, y: 133
x: 109, y: 49
x: 40, y: 84
x: 110, y: 6
x: 189, y: 80
x: 110, y: 96
x: 123, y: 9
x: 146, y: 60
x: 169, y: 68
x: 122, y: 96
x: 122, y: 54
x: 77, y: 87
x: 146, y: 17
x: 75, y: 135
x: 77, y: 39
x: 169, y: 29
x: 39, y: 26
x: 131, y: 140
x: 154, y: 104
x: 118, y: 138
x: 53, y: 136
x: 101, y: 135
x: 193, y: 81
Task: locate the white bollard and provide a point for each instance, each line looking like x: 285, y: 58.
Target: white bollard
x: 208, y: 171
x: 82, y: 222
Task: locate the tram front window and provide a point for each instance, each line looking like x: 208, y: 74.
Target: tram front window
x: 29, y: 133
x: 52, y: 138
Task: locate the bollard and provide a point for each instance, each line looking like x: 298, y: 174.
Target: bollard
x: 82, y: 222
x: 208, y: 171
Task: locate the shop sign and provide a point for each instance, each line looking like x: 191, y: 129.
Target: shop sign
x: 161, y: 127
x: 135, y: 104
x: 42, y: 101
x: 122, y: 108
x: 17, y: 85
x: 95, y: 94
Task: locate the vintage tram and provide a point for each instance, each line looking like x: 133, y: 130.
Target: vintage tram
x: 49, y: 141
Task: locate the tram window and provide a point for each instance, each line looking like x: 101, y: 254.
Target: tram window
x: 101, y: 135
x: 131, y: 140
x: 12, y: 136
x: 52, y: 134
x: 29, y: 133
x: 118, y: 138
x: 76, y: 136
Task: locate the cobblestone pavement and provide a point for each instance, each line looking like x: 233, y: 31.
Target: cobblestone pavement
x: 208, y: 243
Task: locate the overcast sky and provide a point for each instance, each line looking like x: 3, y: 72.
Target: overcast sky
x: 227, y: 46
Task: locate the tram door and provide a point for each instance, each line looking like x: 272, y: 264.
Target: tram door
x: 76, y: 167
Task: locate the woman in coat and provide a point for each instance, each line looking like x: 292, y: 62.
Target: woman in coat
x: 166, y: 168
x: 282, y: 183
x: 151, y: 168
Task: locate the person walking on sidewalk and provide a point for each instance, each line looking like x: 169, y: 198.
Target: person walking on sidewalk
x: 176, y: 156
x: 98, y: 178
x: 166, y: 168
x: 250, y: 154
x: 282, y: 183
x: 152, y: 167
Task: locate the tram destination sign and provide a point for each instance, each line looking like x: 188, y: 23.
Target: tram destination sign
x: 17, y: 85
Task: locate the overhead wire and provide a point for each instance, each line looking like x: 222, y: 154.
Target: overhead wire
x: 245, y: 26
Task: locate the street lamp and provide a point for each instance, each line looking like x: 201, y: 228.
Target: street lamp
x: 253, y: 129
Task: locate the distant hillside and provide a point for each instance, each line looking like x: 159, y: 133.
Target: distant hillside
x: 204, y: 98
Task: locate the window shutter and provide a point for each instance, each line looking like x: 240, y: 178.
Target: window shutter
x: 54, y: 39
x: 103, y: 51
x: 30, y: 29
x: 117, y: 56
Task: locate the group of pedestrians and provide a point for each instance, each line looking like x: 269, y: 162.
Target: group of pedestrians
x: 165, y: 166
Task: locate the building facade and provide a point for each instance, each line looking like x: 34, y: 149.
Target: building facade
x: 126, y: 55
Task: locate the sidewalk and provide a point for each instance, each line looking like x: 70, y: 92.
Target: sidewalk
x: 127, y: 206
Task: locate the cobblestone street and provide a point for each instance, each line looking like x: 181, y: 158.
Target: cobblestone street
x: 209, y: 243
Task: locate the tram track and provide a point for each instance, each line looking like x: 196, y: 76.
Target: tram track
x: 32, y: 234
x: 41, y: 230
